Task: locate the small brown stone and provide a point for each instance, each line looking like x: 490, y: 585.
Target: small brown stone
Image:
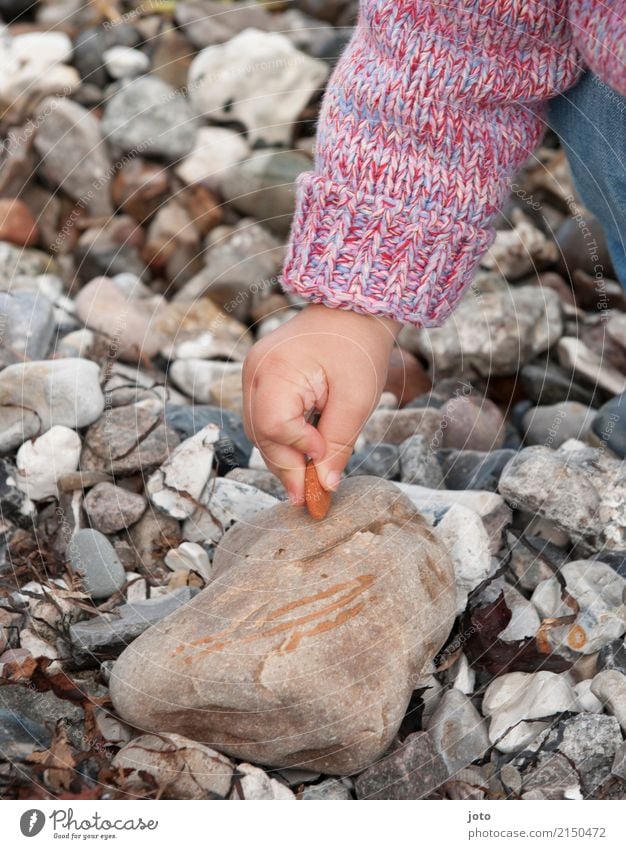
x: 111, y: 508
x: 139, y: 188
x: 316, y: 497
x: 406, y: 377
x: 17, y: 224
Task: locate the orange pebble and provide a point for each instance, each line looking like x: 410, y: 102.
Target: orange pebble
x: 316, y: 497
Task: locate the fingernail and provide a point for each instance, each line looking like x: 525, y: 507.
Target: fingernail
x: 315, y: 456
x: 332, y: 480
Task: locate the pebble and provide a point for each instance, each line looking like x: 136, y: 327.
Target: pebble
x: 490, y: 506
x: 183, y: 768
x: 471, y: 423
x: 41, y: 462
x: 406, y: 377
x: 189, y: 556
x: 256, y: 784
x: 149, y: 116
x: 589, y: 365
x: 328, y: 790
x: 412, y: 771
x: 241, y: 261
x: 419, y: 463
x: 609, y: 425
x: 553, y: 425
x: 582, y: 492
x: 202, y: 379
x: 473, y: 469
x: 381, y: 460
x: 261, y: 479
x: 599, y: 591
x: 111, y: 508
x: 495, y: 335
x: 108, y: 634
x: 609, y: 686
x: 216, y: 150
x: 128, y: 322
x: 201, y: 330
x: 547, y: 383
x: 20, y: 736
x: 93, y: 558
x: 586, y: 699
x: 395, y: 426
x: 302, y: 673
x: 206, y: 22
x: 590, y: 743
x: 62, y: 125
x: 232, y: 448
x: 27, y: 326
x: 553, y: 777
x: 613, y: 656
x: 224, y: 503
x: 17, y: 223
x: 60, y: 392
x: 221, y: 87
x: 458, y: 731
x: 179, y: 485
x: 125, y: 62
x: 151, y: 538
x: 521, y: 250
x: 126, y: 440
x: 463, y: 534
x: 516, y: 702
x: 262, y: 186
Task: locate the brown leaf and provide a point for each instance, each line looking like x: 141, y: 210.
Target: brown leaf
x: 58, y: 761
x: 485, y: 650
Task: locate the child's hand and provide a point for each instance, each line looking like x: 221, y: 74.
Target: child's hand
x: 330, y: 359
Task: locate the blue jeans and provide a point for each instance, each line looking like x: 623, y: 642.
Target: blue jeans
x: 590, y: 119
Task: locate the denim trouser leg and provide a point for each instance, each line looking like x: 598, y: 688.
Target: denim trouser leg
x: 590, y: 119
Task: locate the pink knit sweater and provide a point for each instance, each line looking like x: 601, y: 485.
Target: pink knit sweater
x: 430, y: 111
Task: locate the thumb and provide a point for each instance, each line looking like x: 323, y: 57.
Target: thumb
x: 340, y: 424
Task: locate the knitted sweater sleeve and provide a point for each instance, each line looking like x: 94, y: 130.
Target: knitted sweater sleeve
x: 599, y: 30
x: 431, y: 109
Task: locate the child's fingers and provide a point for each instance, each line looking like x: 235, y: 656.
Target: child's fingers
x: 340, y: 424
x: 288, y: 464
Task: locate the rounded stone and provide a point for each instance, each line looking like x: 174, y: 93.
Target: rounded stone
x: 92, y: 557
x: 301, y: 621
x: 111, y: 508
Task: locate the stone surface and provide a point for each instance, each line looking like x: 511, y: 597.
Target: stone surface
x: 233, y: 447
x: 406, y: 377
x: 613, y: 656
x: 94, y: 561
x: 129, y: 322
x: 609, y: 686
x: 327, y: 790
x: 495, y: 334
x: 381, y: 460
x: 20, y: 736
x: 202, y: 380
x: 41, y: 462
x: 216, y: 150
x: 179, y: 485
x: 108, y: 634
x: 201, y: 330
x: 111, y: 508
x: 125, y: 62
x: 16, y: 426
x: 517, y: 702
x: 463, y: 534
x: 62, y: 125
x: 589, y: 365
x: 151, y: 538
x: 419, y: 463
x: 412, y: 771
x: 471, y: 423
x: 60, y: 392
x: 548, y: 383
x: 17, y: 223
x: 225, y: 502
x: 520, y: 250
x: 395, y: 426
x: 599, y: 591
x: 553, y: 425
x: 609, y: 425
x: 149, y: 116
x: 267, y: 102
x: 583, y: 492
x: 27, y: 326
x: 256, y: 784
x: 183, y: 768
x: 458, y: 731
x: 473, y: 469
x: 311, y: 613
x: 126, y: 440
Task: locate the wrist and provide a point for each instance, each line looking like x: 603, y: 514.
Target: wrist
x: 385, y: 328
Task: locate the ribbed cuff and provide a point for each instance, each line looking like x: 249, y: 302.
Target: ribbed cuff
x: 372, y: 254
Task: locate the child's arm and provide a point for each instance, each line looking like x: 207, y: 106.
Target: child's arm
x: 429, y: 112
x: 599, y: 28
